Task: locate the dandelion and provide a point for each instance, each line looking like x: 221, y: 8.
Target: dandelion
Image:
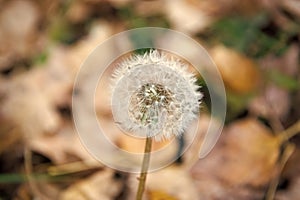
x: 154, y: 96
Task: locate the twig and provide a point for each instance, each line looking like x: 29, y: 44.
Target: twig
x: 274, y: 183
x: 28, y: 170
x: 73, y: 167
x: 290, y: 132
x: 284, y: 136
x: 144, y: 170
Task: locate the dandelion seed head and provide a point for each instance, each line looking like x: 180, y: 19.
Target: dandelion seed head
x: 154, y: 96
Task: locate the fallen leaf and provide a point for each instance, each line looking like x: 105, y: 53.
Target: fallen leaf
x: 266, y: 104
x: 245, y: 155
x: 240, y: 74
x: 186, y: 17
x: 174, y: 182
x: 101, y: 185
x: 149, y: 8
x: 79, y: 52
x: 211, y: 188
x: 78, y: 12
x: 281, y: 73
x: 18, y: 31
x: 252, y: 152
x: 61, y: 147
x: 221, y: 8
x: 33, y: 98
x: 291, y: 6
x: 159, y: 195
x: 25, y: 105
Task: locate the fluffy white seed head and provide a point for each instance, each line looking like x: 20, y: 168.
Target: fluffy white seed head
x: 154, y: 96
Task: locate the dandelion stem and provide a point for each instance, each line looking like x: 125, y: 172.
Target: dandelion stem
x: 145, y: 166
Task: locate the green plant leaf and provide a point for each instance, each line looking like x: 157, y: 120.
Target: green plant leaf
x: 283, y: 80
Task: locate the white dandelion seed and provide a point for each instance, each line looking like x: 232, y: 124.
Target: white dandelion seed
x: 154, y: 96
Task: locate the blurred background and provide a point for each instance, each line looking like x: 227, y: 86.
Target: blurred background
x: 254, y: 43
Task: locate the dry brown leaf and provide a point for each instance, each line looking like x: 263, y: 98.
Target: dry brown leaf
x: 211, y: 188
x: 245, y: 155
x: 62, y: 147
x: 172, y: 181
x: 266, y: 104
x: 159, y: 195
x: 252, y: 152
x: 239, y: 73
x: 286, y: 64
x: 32, y: 99
x: 25, y: 106
x: 244, y: 158
x: 281, y: 12
x: 78, y: 12
x: 148, y: 8
x: 101, y: 185
x: 292, y: 6
x: 220, y: 8
x: 9, y: 136
x: 80, y: 51
x: 18, y: 31
x: 186, y: 17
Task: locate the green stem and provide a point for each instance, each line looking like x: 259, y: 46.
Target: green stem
x: 144, y: 170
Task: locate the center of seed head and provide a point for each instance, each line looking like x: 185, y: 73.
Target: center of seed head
x: 147, y: 103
